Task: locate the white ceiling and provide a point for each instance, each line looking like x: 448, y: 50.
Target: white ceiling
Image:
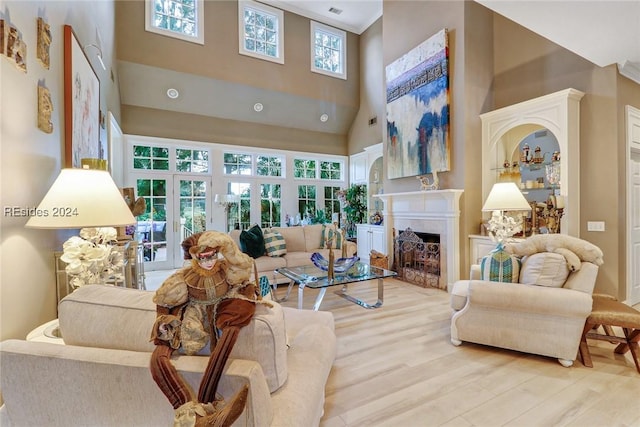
x: 604, y: 32
x: 355, y: 16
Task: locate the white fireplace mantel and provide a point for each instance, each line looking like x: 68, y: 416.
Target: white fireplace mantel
x: 436, y: 212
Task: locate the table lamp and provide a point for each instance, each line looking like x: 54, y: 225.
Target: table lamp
x: 90, y: 200
x: 504, y: 196
x: 82, y: 198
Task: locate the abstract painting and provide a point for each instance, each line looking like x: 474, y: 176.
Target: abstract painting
x: 81, y: 104
x: 418, y: 110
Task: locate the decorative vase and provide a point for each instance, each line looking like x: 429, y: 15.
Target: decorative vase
x: 332, y: 261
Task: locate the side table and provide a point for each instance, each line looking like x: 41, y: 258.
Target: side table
x: 48, y: 332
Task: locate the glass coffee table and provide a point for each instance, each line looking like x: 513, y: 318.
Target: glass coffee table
x: 310, y: 276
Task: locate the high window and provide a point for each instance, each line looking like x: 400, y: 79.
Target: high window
x: 192, y: 160
x: 182, y: 19
x: 328, y: 50
x: 237, y: 164
x: 151, y: 158
x: 268, y: 166
x: 261, y: 31
x: 330, y: 170
x: 304, y: 168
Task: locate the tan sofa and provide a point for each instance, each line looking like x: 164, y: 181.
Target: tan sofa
x: 301, y: 243
x: 542, y: 318
x: 99, y: 375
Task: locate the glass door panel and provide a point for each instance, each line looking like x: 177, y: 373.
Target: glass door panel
x: 192, y: 213
x: 152, y: 224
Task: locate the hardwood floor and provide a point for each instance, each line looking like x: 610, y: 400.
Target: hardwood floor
x: 396, y: 367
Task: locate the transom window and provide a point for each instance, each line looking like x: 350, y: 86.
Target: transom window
x: 261, y: 31
x: 150, y: 158
x: 330, y: 170
x: 237, y: 164
x: 182, y: 19
x: 268, y: 166
x: 192, y: 160
x: 328, y: 50
x: 304, y: 168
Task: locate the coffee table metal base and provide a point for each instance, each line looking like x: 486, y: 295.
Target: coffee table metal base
x: 343, y: 293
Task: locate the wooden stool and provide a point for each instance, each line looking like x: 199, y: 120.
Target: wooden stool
x: 609, y: 312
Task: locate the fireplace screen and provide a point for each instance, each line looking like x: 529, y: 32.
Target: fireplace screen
x: 417, y: 259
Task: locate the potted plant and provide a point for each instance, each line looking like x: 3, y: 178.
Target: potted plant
x: 354, y: 200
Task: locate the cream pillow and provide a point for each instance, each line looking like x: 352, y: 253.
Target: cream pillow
x: 544, y: 269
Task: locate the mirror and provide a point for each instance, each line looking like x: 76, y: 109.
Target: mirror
x: 558, y: 114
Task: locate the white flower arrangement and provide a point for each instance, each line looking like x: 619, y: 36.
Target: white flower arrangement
x: 502, y: 227
x: 92, y: 257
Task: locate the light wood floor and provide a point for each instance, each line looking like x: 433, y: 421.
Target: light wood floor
x: 396, y: 367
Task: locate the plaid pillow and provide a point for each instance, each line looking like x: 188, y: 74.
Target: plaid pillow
x: 500, y: 266
x: 274, y: 243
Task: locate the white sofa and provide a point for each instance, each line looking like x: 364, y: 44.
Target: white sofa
x: 100, y: 375
x: 301, y: 243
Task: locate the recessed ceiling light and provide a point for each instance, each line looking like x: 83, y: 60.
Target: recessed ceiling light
x: 258, y: 107
x: 173, y: 93
x: 324, y: 118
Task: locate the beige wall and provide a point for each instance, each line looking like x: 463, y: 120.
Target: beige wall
x: 219, y: 59
x: 372, y: 92
x: 528, y: 66
x: 494, y: 63
x: 31, y: 159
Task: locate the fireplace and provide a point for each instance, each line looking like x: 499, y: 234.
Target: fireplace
x: 434, y: 212
x: 416, y: 258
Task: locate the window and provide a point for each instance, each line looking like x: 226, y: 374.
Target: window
x: 328, y: 50
x: 270, y: 205
x: 331, y: 201
x: 193, y: 208
x: 239, y: 216
x: 303, y: 168
x: 269, y: 166
x: 261, y: 31
x: 152, y: 158
x: 181, y: 19
x: 237, y: 164
x: 307, y: 200
x: 192, y: 160
x: 330, y: 170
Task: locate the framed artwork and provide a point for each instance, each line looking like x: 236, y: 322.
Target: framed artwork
x: 418, y: 140
x: 81, y: 104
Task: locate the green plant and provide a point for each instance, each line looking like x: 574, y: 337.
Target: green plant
x: 355, y: 203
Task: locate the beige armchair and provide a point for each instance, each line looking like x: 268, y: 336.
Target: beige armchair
x: 542, y: 314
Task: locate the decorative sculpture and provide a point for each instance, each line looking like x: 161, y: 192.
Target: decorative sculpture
x: 425, y: 185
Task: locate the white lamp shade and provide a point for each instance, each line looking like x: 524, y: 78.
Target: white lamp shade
x: 82, y: 198
x: 506, y: 196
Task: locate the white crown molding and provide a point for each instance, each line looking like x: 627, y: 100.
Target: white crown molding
x: 630, y: 70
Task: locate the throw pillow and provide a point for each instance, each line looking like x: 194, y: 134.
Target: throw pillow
x: 274, y: 243
x: 330, y: 232
x: 544, y: 269
x: 265, y: 286
x: 252, y: 242
x: 500, y: 266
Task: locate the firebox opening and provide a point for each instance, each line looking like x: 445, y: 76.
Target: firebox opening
x: 417, y: 258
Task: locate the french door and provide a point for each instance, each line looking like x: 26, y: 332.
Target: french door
x: 177, y: 206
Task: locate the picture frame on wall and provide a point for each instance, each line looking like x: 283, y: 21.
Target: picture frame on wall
x: 418, y: 137
x: 81, y: 103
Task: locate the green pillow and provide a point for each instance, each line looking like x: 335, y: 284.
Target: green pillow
x: 252, y: 242
x: 330, y: 232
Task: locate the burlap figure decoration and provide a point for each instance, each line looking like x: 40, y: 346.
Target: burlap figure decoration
x: 213, y: 293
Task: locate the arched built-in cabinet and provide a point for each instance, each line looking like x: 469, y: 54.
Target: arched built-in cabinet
x: 504, y: 129
x: 366, y: 168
